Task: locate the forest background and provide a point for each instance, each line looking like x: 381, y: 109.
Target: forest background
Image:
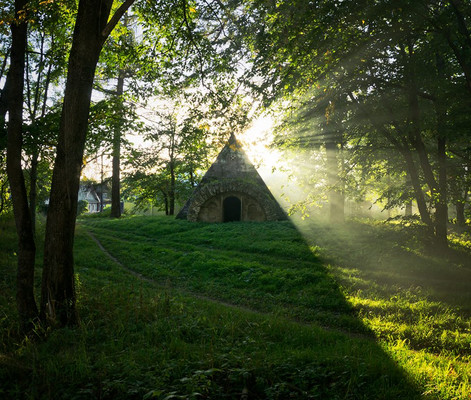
x: 370, y: 100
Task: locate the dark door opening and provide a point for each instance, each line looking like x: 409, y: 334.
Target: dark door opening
x: 232, y: 208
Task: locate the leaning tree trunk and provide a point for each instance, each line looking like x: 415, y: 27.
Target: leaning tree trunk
x: 58, y: 301
x: 416, y: 185
x: 26, y: 304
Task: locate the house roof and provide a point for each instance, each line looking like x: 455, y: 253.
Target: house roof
x: 88, y: 193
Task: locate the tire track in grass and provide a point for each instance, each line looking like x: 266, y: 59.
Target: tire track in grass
x: 219, y: 302
x: 164, y: 286
x: 115, y: 260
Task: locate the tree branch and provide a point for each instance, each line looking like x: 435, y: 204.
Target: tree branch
x: 116, y: 17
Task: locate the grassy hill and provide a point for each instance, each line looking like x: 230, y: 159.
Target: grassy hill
x: 177, y: 310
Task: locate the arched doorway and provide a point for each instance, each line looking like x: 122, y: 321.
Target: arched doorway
x: 232, y: 209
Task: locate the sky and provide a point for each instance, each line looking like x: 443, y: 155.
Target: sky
x: 256, y: 141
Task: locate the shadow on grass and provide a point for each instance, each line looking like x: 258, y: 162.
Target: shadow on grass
x: 417, y: 301
x: 278, y: 323
x: 387, y: 258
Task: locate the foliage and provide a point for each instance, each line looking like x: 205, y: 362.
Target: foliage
x: 367, y: 82
x: 82, y: 207
x: 178, y: 148
x: 5, y: 201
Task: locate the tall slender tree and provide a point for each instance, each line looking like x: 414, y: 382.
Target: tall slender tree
x: 27, y: 308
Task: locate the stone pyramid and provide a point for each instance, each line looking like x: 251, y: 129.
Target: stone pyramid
x: 232, y: 190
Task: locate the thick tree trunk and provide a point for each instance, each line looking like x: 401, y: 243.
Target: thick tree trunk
x: 26, y: 304
x: 115, y: 180
x: 58, y: 287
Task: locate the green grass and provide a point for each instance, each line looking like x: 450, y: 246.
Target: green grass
x: 267, y: 309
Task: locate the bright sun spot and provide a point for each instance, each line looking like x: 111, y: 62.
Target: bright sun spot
x: 270, y: 162
x: 256, y: 141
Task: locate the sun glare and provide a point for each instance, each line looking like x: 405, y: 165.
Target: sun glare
x: 256, y: 140
x: 271, y: 163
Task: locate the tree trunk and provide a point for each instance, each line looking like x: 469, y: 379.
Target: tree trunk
x: 192, y: 178
x: 33, y: 192
x: 415, y: 181
x: 408, y: 209
x: 102, y: 185
x: 171, y: 194
x: 408, y: 202
x: 441, y: 201
x: 335, y: 196
x: 460, y: 218
x: 166, y: 203
x: 58, y: 287
x: 415, y: 138
x: 3, y: 104
x: 115, y: 180
x: 441, y: 204
x: 438, y: 193
x: 26, y: 303
x: 461, y: 51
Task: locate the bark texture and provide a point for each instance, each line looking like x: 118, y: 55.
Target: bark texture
x: 460, y: 217
x: 58, y: 301
x: 26, y: 304
x: 116, y: 179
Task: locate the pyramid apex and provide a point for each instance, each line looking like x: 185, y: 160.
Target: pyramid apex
x: 233, y: 143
